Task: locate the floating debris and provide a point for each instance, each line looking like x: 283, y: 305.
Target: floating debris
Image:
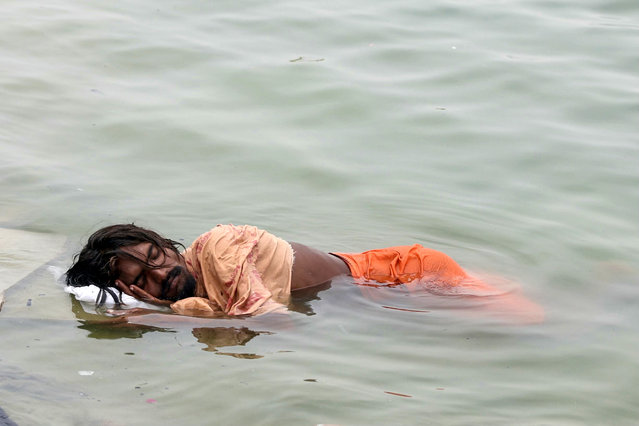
x: 403, y: 395
x: 303, y: 59
x: 405, y: 309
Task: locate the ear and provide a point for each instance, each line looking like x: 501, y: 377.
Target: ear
x: 123, y: 288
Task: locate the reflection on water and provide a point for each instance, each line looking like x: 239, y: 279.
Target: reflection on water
x: 119, y: 327
x: 102, y: 327
x: 214, y: 337
x: 301, y: 299
x: 489, y: 297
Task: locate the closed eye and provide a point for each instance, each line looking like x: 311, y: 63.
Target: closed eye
x: 154, y: 254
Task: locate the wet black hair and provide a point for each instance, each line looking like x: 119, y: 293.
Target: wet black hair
x: 95, y: 264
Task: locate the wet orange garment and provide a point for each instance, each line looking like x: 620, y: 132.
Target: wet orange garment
x: 417, y: 264
x: 403, y: 264
x: 239, y: 270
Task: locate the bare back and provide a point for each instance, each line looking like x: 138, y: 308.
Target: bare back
x: 312, y: 267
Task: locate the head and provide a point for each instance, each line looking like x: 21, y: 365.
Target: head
x: 119, y: 256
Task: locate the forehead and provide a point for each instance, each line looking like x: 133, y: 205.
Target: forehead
x: 140, y: 251
x: 126, y: 267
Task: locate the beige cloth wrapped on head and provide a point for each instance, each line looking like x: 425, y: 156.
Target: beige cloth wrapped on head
x: 240, y: 270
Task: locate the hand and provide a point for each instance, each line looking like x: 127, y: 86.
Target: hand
x: 138, y: 293
x: 142, y: 295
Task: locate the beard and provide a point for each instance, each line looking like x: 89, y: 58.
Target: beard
x: 187, y: 289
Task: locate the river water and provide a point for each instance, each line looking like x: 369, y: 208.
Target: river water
x: 502, y: 133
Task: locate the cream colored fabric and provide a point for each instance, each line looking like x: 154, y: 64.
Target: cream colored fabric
x: 239, y: 270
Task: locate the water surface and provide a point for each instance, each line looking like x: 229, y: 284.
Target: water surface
x: 504, y: 134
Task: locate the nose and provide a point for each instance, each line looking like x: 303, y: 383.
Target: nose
x: 158, y: 275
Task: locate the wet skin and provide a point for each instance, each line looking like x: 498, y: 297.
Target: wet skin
x: 313, y: 267
x: 167, y: 279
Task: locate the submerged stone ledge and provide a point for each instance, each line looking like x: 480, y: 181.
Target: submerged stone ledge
x: 23, y: 252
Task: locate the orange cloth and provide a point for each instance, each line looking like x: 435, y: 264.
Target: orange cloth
x: 403, y: 264
x: 239, y: 270
x: 406, y: 264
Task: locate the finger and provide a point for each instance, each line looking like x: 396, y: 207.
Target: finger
x: 148, y: 298
x: 123, y: 288
x: 139, y: 293
x: 144, y: 295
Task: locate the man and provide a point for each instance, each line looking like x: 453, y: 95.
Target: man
x: 239, y: 270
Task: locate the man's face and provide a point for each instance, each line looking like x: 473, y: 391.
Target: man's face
x: 158, y: 271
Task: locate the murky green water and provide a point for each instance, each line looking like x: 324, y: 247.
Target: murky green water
x: 504, y: 134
